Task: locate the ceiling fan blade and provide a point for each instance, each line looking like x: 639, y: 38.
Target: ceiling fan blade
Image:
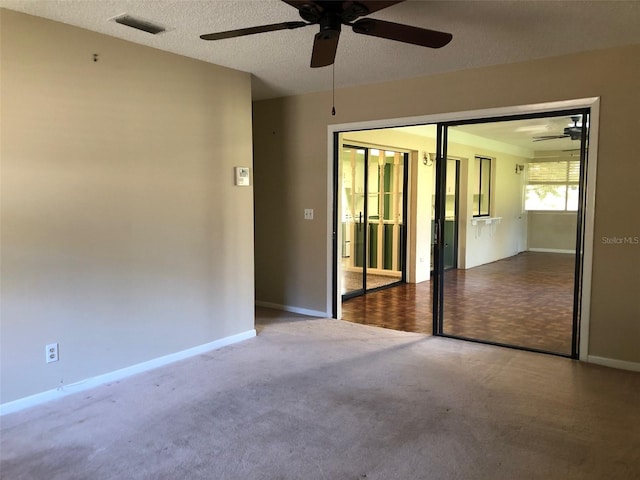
x: 325, y: 46
x: 402, y: 33
x: 252, y: 30
x: 549, y: 137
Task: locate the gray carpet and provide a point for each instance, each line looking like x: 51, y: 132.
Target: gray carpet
x: 325, y: 399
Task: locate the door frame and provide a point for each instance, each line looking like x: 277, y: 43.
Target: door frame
x: 403, y: 238
x: 365, y: 235
x: 442, y: 144
x: 333, y: 287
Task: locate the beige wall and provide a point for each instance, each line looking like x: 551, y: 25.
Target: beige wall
x: 552, y: 230
x: 290, y: 142
x: 123, y: 237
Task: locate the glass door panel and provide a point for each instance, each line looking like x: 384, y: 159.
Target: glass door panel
x: 520, y: 281
x: 353, y: 224
x: 386, y: 171
x: 372, y: 218
x: 450, y: 229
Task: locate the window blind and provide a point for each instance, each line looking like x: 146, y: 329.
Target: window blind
x: 563, y: 172
x: 552, y: 185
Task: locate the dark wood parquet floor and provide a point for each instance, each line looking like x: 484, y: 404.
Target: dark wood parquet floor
x: 525, y: 301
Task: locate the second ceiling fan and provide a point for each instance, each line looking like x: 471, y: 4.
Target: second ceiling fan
x: 574, y: 132
x: 331, y: 15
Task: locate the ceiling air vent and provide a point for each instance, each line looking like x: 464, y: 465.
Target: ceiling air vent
x: 139, y: 24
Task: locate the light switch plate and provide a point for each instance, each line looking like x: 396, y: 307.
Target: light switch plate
x: 242, y: 178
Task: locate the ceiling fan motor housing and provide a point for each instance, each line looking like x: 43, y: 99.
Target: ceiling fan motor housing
x: 330, y: 25
x: 331, y: 16
x: 352, y: 11
x: 309, y: 13
x: 574, y: 131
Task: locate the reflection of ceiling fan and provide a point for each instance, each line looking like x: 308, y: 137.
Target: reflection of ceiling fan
x: 573, y: 131
x: 331, y: 15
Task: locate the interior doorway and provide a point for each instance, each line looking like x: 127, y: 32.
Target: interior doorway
x: 479, y: 218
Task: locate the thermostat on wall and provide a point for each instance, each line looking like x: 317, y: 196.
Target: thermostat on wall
x: 242, y: 176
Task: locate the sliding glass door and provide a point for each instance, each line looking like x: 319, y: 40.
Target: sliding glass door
x: 518, y: 280
x: 373, y: 228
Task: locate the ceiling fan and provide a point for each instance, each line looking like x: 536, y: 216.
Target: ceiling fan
x: 331, y: 15
x: 572, y: 131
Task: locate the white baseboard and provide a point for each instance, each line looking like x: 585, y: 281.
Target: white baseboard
x: 289, y: 308
x: 613, y: 363
x: 551, y: 250
x: 92, y: 382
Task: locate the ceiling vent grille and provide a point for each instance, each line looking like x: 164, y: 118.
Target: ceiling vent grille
x: 139, y: 24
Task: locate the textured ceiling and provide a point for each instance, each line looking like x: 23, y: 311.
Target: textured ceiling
x: 485, y: 33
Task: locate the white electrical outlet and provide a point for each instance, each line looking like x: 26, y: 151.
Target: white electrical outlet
x: 52, y: 352
x: 308, y: 213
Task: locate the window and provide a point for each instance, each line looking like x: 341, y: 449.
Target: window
x: 552, y: 186
x: 482, y: 187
